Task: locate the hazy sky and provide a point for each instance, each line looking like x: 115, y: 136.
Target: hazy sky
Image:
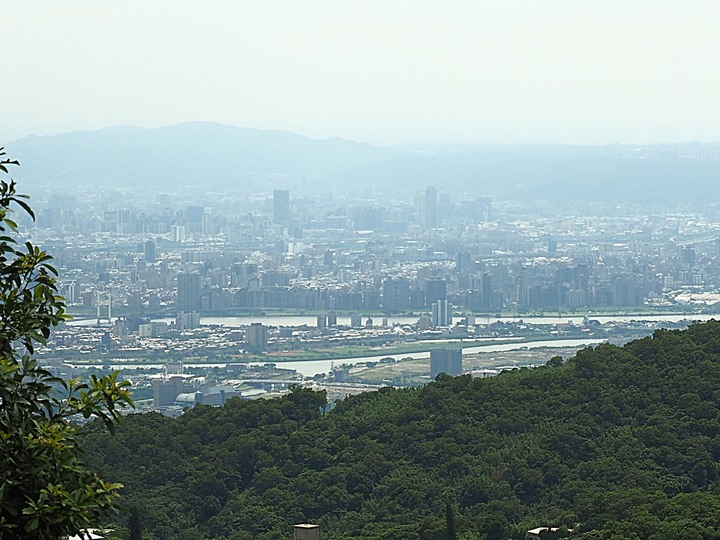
x: 389, y: 71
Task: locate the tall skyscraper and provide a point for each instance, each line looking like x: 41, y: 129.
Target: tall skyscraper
x: 486, y: 291
x: 281, y: 206
x: 177, y: 232
x: 194, y: 218
x: 396, y: 294
x: 482, y: 209
x: 431, y: 214
x: 445, y: 361
x: 188, y: 292
x: 149, y: 249
x: 257, y: 336
x: 435, y: 289
x: 441, y: 313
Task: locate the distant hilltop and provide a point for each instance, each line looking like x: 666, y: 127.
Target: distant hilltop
x: 191, y: 153
x: 222, y: 156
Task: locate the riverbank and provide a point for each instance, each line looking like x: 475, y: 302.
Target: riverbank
x: 310, y: 368
x: 340, y: 353
x: 286, y: 317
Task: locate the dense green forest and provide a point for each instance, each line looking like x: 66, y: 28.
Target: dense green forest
x: 616, y: 442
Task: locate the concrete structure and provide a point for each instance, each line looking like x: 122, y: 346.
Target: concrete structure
x: 435, y: 289
x: 257, y: 336
x: 431, y: 213
x: 165, y: 391
x: 186, y: 399
x: 281, y: 206
x: 187, y: 321
x: 445, y: 361
x: 177, y: 232
x: 153, y: 329
x: 396, y: 294
x: 216, y: 395
x: 174, y: 367
x: 305, y: 531
x: 149, y: 251
x: 188, y: 292
x: 441, y: 313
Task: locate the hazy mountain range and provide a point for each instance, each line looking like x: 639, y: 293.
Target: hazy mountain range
x: 208, y: 154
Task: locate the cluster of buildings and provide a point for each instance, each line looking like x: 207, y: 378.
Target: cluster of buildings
x: 155, y: 265
x: 449, y: 253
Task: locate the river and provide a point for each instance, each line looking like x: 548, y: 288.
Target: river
x: 308, y: 368
x: 313, y: 367
x: 311, y: 320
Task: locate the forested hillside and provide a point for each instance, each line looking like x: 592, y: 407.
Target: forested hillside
x: 618, y: 443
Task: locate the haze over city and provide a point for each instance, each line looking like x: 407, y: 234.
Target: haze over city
x: 408, y: 270
x: 404, y: 72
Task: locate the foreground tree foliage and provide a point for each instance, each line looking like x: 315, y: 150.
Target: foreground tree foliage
x: 616, y: 443
x: 46, y: 492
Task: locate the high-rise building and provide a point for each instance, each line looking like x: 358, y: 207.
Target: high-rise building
x: 106, y: 342
x: 396, y: 294
x: 149, y: 250
x: 188, y: 292
x: 463, y: 262
x: 482, y: 209
x: 435, y: 289
x: 194, y: 218
x: 445, y: 361
x: 487, y: 287
x: 441, y: 313
x: 688, y: 255
x: 69, y: 291
x: 177, y: 232
x: 367, y: 219
x: 187, y: 320
x: 257, y: 336
x: 166, y: 390
x: 281, y: 206
x: 431, y: 213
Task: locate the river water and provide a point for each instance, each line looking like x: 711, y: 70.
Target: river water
x: 308, y: 368
x: 312, y: 367
x: 310, y: 320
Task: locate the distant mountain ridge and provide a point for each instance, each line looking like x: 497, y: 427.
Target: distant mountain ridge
x: 559, y: 174
x: 210, y: 154
x: 190, y: 153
